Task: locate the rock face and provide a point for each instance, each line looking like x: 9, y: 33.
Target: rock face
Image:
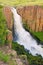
x: 8, y: 15
x: 33, y: 16
x: 9, y: 22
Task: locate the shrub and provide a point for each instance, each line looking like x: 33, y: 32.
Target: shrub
x: 19, y: 48
x: 33, y: 60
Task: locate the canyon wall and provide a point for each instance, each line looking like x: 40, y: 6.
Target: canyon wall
x: 32, y: 16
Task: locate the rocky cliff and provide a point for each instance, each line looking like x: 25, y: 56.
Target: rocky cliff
x: 33, y: 17
x: 9, y: 22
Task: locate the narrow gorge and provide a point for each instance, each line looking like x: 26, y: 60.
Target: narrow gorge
x: 20, y: 34
x: 23, y: 37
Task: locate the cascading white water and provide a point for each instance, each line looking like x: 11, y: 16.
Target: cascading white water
x: 23, y: 37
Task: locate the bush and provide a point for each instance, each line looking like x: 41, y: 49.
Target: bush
x: 19, y: 48
x: 33, y: 60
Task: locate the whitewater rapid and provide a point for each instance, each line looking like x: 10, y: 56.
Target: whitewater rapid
x: 23, y: 37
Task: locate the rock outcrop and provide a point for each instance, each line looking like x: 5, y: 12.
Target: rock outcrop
x: 8, y: 15
x: 33, y: 16
x: 9, y: 22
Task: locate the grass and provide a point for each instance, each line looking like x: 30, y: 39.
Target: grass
x: 3, y: 27
x: 4, y: 57
x: 39, y: 35
x: 21, y: 2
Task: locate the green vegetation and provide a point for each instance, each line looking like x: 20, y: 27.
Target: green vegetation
x: 39, y: 35
x: 21, y: 2
x: 4, y: 57
x: 19, y: 48
x: 2, y: 27
x: 33, y: 60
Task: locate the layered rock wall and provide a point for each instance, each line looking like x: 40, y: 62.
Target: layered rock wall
x: 33, y: 16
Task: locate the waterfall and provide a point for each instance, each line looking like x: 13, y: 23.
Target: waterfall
x: 23, y: 37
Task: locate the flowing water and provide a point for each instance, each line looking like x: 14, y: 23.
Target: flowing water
x: 23, y: 37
